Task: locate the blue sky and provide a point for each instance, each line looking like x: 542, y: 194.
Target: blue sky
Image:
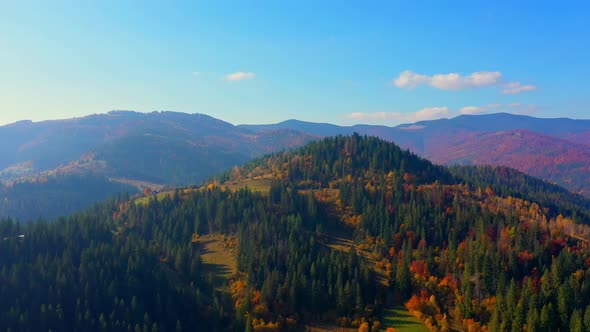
x: 267, y: 61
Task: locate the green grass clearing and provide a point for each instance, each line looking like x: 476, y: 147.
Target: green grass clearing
x: 219, y: 253
x: 256, y: 185
x: 160, y: 196
x: 402, y: 321
x: 146, y: 199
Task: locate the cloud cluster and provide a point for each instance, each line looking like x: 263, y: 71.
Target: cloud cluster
x: 429, y: 113
x: 473, y: 110
x: 240, y: 76
x: 514, y: 108
x: 454, y: 81
x: 451, y: 81
x: 516, y: 87
x: 433, y: 113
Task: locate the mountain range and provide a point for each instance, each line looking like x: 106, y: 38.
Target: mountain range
x: 556, y: 150
x: 130, y: 151
x: 160, y: 147
x: 119, y: 151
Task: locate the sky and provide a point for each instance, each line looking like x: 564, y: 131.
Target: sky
x: 343, y: 62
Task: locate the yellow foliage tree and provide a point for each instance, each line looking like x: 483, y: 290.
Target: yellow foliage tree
x: 364, y: 327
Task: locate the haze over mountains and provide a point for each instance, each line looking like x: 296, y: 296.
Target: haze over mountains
x: 159, y: 147
x: 118, y: 151
x: 126, y: 151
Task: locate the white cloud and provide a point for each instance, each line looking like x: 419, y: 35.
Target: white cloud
x: 377, y: 116
x: 429, y: 113
x: 451, y: 81
x: 410, y: 80
x: 516, y: 87
x: 433, y: 113
x: 454, y: 81
x: 196, y: 73
x: 240, y: 76
x: 514, y: 108
x: 472, y: 110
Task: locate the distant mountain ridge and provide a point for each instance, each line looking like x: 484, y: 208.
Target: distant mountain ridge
x: 170, y: 148
x: 131, y: 137
x: 154, y: 149
x: 557, y: 150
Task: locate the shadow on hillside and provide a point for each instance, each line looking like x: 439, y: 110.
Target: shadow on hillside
x: 218, y: 262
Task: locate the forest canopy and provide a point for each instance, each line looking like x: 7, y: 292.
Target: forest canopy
x: 335, y: 232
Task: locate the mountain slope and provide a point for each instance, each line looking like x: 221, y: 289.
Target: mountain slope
x: 463, y: 255
x: 48, y: 145
x: 318, y: 129
x: 345, y: 229
x: 155, y: 149
x: 332, y: 158
x: 56, y: 196
x: 556, y: 160
x: 506, y: 121
x: 510, y: 182
x: 557, y: 150
x: 168, y: 148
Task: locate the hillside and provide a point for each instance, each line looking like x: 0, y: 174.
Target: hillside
x: 54, y: 196
x: 146, y: 150
x: 162, y: 149
x: 122, y: 138
x: 555, y: 160
x: 342, y: 232
x: 557, y: 150
x: 510, y: 182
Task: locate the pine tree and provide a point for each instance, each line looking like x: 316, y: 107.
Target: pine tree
x: 249, y: 327
x: 544, y: 318
x: 576, y: 324
x: 563, y: 299
x: 587, y: 318
x: 532, y: 320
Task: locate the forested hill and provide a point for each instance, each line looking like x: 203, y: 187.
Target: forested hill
x: 556, y: 150
x: 510, y: 182
x: 53, y: 196
x: 334, y: 159
x: 334, y: 234
x: 329, y: 161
